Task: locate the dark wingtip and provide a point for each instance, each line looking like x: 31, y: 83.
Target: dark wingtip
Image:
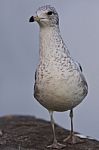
x: 31, y: 19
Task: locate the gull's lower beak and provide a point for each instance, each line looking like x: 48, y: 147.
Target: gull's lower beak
x: 32, y: 18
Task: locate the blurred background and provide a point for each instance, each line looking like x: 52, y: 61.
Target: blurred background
x: 19, y: 49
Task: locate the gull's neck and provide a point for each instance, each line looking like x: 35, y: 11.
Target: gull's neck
x: 51, y: 43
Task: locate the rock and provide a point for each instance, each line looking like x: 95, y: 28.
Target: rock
x: 30, y: 133
x: 1, y: 133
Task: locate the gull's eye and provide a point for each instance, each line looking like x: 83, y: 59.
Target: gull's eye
x: 50, y: 13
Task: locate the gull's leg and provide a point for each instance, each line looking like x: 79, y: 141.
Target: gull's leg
x: 71, y: 118
x: 55, y: 144
x: 72, y: 138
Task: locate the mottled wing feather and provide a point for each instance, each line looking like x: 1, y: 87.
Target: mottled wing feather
x: 80, y: 67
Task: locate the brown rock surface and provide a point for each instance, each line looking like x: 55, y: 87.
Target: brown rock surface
x: 30, y: 133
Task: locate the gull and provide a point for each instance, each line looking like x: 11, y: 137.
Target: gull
x: 59, y: 82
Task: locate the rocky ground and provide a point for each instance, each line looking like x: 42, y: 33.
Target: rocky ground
x: 30, y: 133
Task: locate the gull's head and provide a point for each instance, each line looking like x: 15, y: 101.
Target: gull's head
x: 46, y: 16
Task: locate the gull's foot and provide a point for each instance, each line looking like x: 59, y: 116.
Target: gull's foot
x: 73, y: 139
x: 56, y: 145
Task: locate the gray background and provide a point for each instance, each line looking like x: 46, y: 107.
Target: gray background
x: 19, y: 47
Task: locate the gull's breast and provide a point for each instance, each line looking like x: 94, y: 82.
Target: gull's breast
x: 60, y: 91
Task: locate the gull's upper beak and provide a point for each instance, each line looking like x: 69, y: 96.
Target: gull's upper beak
x: 32, y: 18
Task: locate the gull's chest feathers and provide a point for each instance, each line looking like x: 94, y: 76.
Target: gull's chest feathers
x: 58, y: 78
x: 55, y: 60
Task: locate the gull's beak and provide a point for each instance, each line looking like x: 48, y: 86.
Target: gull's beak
x: 32, y: 18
